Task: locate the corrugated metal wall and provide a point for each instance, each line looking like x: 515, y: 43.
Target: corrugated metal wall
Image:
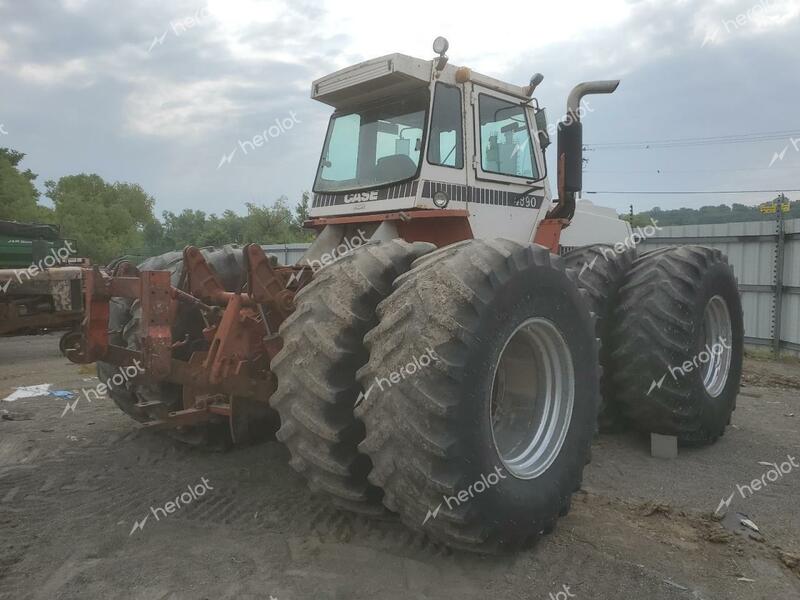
x: 752, y: 249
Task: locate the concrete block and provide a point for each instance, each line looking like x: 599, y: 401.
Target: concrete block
x: 663, y: 446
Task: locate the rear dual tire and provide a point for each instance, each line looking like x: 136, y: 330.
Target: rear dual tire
x: 678, y: 344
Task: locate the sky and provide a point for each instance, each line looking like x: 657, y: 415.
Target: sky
x: 161, y: 93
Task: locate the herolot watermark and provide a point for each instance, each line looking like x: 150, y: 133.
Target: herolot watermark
x: 773, y: 475
x: 569, y: 118
x: 281, y: 126
x: 738, y: 22
x: 3, y: 129
x: 636, y: 237
x: 478, y: 487
x: 778, y: 156
x: 53, y: 258
x: 343, y: 249
x: 742, y: 19
x: 124, y: 375
x: 181, y: 26
x: 702, y: 358
x: 193, y: 493
x: 328, y: 258
x: 417, y: 364
x: 562, y: 594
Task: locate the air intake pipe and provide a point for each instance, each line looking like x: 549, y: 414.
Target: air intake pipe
x: 570, y: 146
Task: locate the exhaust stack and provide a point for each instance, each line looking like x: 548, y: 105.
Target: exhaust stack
x: 570, y: 146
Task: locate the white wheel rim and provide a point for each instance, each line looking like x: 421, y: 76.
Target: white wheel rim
x: 532, y: 398
x: 719, y: 344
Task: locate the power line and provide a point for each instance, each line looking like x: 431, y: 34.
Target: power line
x: 708, y: 140
x: 656, y: 171
x: 678, y: 192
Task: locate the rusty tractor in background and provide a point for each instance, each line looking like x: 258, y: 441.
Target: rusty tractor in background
x: 40, y: 280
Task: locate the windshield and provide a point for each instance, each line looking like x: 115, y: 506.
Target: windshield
x: 372, y: 146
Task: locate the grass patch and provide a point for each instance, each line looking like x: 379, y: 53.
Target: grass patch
x: 765, y: 354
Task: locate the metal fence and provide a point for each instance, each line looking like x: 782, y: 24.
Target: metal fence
x: 766, y: 259
x: 287, y: 254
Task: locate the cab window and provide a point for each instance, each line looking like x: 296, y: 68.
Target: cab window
x: 506, y: 146
x: 373, y: 145
x: 446, y: 145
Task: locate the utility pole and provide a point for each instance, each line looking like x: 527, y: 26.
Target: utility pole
x: 779, y: 262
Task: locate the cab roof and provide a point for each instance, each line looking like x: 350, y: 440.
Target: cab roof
x: 393, y: 75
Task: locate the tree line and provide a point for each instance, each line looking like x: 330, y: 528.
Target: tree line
x: 109, y: 220
x: 724, y: 213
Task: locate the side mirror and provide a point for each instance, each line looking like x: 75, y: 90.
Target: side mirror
x: 541, y: 128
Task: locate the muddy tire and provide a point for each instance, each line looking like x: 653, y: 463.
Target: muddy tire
x: 678, y: 343
x: 124, y: 330
x: 601, y: 272
x: 452, y: 438
x: 322, y: 350
x: 123, y: 396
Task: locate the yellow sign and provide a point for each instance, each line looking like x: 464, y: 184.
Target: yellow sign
x: 771, y: 209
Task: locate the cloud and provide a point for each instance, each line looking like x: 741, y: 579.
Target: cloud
x: 74, y: 72
x: 163, y: 114
x: 171, y: 109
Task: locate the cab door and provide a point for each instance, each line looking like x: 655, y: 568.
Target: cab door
x: 446, y: 163
x: 505, y: 162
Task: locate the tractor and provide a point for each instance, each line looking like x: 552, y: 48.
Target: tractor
x: 437, y: 353
x: 40, y: 280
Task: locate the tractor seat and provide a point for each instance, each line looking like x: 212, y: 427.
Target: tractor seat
x: 395, y: 167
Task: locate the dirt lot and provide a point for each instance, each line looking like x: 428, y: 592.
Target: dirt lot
x: 72, y: 488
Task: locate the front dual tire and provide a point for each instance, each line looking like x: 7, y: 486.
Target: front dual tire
x: 458, y: 388
x: 483, y: 449
x: 322, y: 350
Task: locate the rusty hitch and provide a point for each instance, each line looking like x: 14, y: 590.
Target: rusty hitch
x: 240, y: 333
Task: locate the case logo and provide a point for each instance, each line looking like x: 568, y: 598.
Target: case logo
x: 361, y: 197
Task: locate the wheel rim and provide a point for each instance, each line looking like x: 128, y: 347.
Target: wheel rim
x: 718, y: 337
x: 533, y: 394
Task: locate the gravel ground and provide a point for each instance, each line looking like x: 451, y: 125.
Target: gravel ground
x: 73, y: 487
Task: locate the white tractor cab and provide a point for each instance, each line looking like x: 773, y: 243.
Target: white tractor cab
x: 427, y: 151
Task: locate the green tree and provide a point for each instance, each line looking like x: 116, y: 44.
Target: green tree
x: 185, y: 229
x: 153, y: 240
x: 227, y: 229
x: 18, y: 196
x: 270, y: 224
x: 300, y: 217
x: 274, y: 224
x: 108, y: 220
